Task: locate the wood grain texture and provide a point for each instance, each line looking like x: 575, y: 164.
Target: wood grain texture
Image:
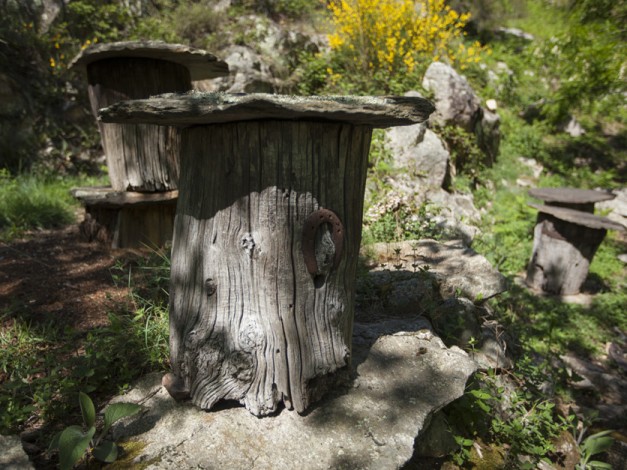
x: 209, y: 108
x: 248, y: 322
x: 141, y: 157
x: 562, y: 253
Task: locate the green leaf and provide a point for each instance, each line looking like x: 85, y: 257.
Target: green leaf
x: 597, y: 443
x: 73, y: 443
x: 107, y: 452
x: 87, y: 409
x: 597, y: 464
x: 118, y: 411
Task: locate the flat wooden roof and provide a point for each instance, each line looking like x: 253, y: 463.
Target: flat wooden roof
x: 195, y: 108
x: 107, y: 197
x: 570, y: 195
x: 574, y: 216
x: 200, y: 63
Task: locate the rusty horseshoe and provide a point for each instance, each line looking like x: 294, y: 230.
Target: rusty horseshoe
x: 310, y: 228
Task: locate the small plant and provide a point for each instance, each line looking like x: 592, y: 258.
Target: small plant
x: 593, y: 445
x: 75, y: 442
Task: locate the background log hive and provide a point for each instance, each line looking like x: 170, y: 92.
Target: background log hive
x: 566, y: 239
x: 142, y: 157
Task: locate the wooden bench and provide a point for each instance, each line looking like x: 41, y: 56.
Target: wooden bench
x: 266, y: 239
x: 566, y: 237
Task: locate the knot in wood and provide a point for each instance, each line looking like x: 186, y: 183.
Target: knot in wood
x: 210, y: 287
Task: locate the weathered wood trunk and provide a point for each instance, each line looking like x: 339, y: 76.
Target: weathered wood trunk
x: 140, y: 157
x: 562, y: 253
x: 248, y: 321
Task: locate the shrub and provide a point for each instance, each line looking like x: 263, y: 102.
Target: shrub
x: 390, y: 39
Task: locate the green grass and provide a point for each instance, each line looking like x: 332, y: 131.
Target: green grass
x: 43, y: 367
x: 30, y: 202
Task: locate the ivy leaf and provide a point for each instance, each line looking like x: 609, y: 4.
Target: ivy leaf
x: 73, y: 443
x: 106, y: 452
x: 87, y: 409
x: 118, y: 411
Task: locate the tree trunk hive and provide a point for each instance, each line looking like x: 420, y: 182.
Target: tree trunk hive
x: 266, y: 240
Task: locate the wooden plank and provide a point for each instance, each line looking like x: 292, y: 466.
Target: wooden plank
x: 201, y: 64
x: 209, y: 108
x: 570, y: 195
x: 107, y: 197
x: 583, y: 219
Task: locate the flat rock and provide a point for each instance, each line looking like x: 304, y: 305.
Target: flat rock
x: 12, y: 455
x: 210, y: 108
x: 201, y: 64
x: 402, y: 378
x: 459, y: 270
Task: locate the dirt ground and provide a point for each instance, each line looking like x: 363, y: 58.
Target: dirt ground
x: 54, y: 276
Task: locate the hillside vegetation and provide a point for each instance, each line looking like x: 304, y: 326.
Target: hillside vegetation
x: 569, y: 66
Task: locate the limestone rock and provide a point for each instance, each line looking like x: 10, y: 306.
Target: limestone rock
x: 250, y: 73
x: 459, y: 270
x: 403, y: 379
x: 617, y: 207
x: 456, y: 102
x: 437, y: 440
x: 421, y: 154
x: 12, y: 455
x: 456, y: 214
x: 457, y: 322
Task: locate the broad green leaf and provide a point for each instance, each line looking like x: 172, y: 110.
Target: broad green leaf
x: 73, y: 443
x: 87, y: 409
x: 107, y: 452
x: 597, y: 443
x: 597, y: 464
x: 118, y: 411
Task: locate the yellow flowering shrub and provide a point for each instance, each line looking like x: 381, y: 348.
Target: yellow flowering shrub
x: 387, y: 38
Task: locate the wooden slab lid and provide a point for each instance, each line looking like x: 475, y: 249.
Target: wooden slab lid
x: 201, y: 64
x: 209, y: 108
x: 579, y: 218
x: 570, y: 195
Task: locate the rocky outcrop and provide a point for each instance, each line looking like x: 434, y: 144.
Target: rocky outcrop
x: 457, y: 104
x: 12, y: 455
x: 458, y: 270
x: 403, y: 374
x: 421, y: 154
x: 250, y: 73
